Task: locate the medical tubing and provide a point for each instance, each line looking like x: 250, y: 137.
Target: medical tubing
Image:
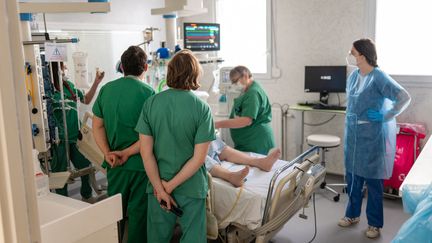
x: 78, y: 106
x: 66, y: 135
x: 284, y: 111
x: 234, y: 205
x: 315, y: 220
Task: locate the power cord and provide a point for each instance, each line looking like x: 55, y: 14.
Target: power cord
x: 324, y: 122
x: 321, y: 123
x: 315, y: 219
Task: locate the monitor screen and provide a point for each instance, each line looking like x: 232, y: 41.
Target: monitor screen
x: 201, y: 36
x: 325, y: 78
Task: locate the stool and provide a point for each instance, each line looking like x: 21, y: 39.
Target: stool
x: 325, y: 141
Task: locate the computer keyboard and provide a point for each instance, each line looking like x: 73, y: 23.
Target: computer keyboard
x: 329, y: 107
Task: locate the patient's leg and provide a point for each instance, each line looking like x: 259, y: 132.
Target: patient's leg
x: 238, y: 157
x: 236, y: 178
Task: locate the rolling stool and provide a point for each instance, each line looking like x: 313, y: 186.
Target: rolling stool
x: 325, y: 141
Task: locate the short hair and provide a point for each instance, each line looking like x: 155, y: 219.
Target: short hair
x: 239, y: 72
x: 366, y: 47
x: 133, y: 61
x: 184, y: 70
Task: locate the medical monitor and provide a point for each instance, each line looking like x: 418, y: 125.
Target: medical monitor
x: 325, y: 79
x: 201, y: 36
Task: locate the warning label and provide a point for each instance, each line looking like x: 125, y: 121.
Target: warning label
x: 55, y: 52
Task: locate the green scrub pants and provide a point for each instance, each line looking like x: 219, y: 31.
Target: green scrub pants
x: 59, y: 164
x: 132, y: 186
x: 193, y: 222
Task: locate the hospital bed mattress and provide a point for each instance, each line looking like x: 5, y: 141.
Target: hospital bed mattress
x: 244, y: 206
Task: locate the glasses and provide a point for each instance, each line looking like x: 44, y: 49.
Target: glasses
x: 234, y: 81
x: 352, y: 54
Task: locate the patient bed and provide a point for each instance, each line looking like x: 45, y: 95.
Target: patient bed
x: 267, y: 200
x: 260, y: 208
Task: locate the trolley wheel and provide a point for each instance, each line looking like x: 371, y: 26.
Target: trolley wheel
x: 323, y: 185
x: 336, y: 198
x: 344, y: 189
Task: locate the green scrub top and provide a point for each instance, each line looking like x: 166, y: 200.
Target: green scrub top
x: 257, y: 137
x: 177, y: 120
x: 119, y: 104
x: 71, y: 112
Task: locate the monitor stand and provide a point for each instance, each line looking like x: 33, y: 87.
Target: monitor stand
x: 324, y: 96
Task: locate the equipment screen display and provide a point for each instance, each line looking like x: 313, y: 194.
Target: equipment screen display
x: 325, y: 78
x: 201, y: 37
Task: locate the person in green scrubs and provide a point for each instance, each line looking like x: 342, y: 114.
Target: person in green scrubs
x: 116, y: 112
x: 176, y: 128
x: 250, y: 117
x: 71, y: 95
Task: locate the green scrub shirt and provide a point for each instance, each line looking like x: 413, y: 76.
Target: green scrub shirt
x: 59, y: 161
x: 71, y: 112
x: 257, y: 137
x: 177, y: 120
x: 119, y: 104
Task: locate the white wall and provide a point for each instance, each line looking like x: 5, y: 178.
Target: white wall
x: 316, y: 32
x: 321, y: 32
x: 312, y: 32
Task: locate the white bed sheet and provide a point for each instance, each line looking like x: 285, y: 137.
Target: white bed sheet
x: 249, y: 209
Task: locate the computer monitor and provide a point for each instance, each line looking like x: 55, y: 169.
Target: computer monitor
x: 325, y: 79
x: 201, y: 36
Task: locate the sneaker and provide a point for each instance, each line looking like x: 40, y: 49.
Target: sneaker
x: 345, y: 221
x: 372, y: 232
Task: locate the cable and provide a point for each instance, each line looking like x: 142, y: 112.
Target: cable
x: 321, y: 123
x: 324, y: 122
x: 315, y: 220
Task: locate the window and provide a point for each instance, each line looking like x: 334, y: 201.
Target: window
x: 245, y: 34
x: 403, y: 37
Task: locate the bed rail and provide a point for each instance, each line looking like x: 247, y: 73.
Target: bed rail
x: 276, y: 174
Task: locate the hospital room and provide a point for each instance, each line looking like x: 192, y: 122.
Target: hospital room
x: 220, y: 121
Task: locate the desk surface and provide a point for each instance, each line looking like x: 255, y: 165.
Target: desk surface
x: 421, y: 172
x: 308, y: 108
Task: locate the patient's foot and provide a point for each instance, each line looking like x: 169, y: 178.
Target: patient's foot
x: 237, y: 178
x: 267, y: 162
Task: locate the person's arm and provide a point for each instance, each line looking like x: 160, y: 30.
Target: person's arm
x: 124, y: 154
x: 399, y: 105
x: 237, y: 122
x: 152, y: 170
x: 190, y: 168
x: 393, y: 91
x: 102, y: 142
x: 90, y: 94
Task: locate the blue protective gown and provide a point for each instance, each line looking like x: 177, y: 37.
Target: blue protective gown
x: 370, y: 146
